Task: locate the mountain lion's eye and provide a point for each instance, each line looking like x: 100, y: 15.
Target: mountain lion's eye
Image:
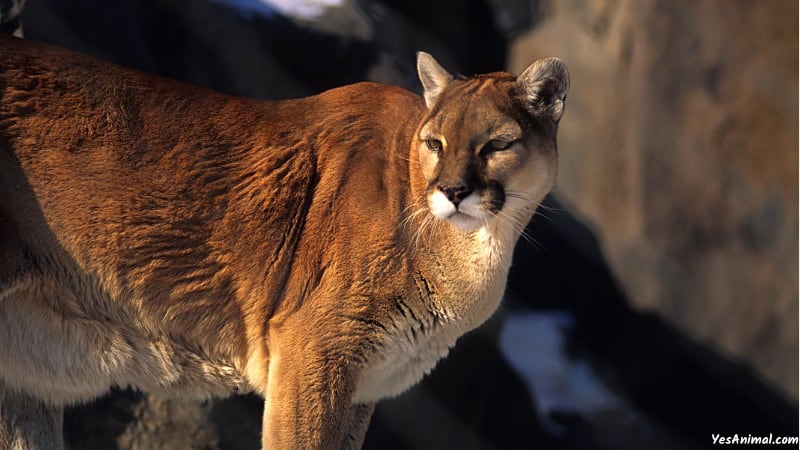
x: 434, y: 145
x: 496, y: 145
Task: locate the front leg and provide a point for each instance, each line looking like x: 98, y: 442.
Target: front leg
x: 308, y: 399
x: 357, y: 424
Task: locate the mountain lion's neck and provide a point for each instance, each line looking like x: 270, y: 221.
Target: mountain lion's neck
x: 460, y: 264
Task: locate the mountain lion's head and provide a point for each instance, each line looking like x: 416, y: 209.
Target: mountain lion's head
x: 488, y: 145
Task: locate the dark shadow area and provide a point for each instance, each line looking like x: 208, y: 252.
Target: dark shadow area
x: 693, y: 389
x: 467, y: 28
x: 238, y: 421
x: 318, y: 60
x: 97, y: 425
x: 217, y: 47
x: 472, y: 400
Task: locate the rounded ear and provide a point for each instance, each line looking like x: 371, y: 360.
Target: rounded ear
x: 544, y: 86
x: 433, y: 77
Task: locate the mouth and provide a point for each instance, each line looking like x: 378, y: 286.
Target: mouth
x: 466, y: 215
x: 466, y: 222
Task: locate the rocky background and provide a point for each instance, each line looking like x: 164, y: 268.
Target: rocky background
x: 664, y: 270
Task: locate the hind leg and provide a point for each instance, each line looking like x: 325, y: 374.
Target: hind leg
x: 27, y: 423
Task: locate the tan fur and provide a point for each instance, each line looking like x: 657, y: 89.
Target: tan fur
x: 169, y: 238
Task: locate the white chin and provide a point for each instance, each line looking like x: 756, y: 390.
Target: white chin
x: 465, y: 222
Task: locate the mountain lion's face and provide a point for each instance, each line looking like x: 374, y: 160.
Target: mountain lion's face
x: 488, y: 148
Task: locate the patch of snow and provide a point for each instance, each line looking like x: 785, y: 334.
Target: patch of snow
x: 301, y: 9
x: 306, y: 9
x: 533, y: 344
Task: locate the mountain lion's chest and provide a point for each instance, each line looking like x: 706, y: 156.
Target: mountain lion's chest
x: 407, y: 356
x: 411, y: 350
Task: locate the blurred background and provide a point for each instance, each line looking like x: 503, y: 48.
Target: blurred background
x: 658, y: 303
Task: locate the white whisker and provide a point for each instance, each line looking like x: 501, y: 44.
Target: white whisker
x: 519, y: 228
x: 543, y: 215
x: 517, y: 194
x: 552, y: 209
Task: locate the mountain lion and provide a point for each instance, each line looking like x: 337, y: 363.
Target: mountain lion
x: 323, y: 252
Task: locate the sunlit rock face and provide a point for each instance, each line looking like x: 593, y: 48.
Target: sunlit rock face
x: 680, y: 147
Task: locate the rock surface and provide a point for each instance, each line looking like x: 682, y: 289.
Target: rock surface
x: 680, y: 147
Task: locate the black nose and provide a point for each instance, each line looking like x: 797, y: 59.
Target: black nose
x: 455, y: 193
